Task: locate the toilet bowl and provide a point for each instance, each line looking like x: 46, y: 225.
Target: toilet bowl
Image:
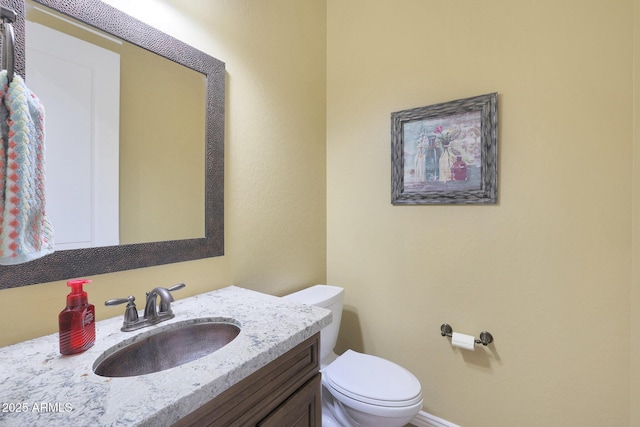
x: 359, y: 389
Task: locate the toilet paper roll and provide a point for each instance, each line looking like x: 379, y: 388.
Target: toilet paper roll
x: 467, y: 342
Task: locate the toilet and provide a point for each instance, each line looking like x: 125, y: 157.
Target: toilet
x: 358, y: 389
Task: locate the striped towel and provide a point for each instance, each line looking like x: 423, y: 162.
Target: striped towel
x: 25, y: 232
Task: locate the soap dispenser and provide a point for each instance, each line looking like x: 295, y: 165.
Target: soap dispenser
x: 77, y: 321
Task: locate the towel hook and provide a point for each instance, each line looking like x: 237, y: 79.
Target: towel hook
x: 8, y: 17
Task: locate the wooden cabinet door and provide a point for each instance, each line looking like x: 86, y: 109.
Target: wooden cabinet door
x: 302, y: 409
x: 268, y: 391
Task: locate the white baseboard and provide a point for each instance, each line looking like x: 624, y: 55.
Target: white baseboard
x: 424, y: 419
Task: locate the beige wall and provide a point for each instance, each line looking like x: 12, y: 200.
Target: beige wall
x: 634, y: 374
x: 548, y: 269
x: 162, y: 129
x: 275, y: 160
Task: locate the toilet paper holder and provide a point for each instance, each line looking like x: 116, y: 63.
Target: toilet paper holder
x: 485, y: 337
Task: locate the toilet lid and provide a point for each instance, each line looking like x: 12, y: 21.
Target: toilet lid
x: 373, y: 380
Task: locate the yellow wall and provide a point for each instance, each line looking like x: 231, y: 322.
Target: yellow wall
x: 161, y: 148
x: 548, y: 269
x: 275, y: 222
x: 634, y: 300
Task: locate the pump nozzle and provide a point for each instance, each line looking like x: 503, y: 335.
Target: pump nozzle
x: 77, y: 296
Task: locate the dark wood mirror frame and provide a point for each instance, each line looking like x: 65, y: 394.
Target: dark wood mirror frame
x: 68, y: 264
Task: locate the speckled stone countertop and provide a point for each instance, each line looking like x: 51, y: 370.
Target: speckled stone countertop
x: 40, y: 387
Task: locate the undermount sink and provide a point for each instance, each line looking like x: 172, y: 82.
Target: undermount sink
x: 170, y: 346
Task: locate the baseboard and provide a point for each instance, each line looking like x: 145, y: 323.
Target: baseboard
x: 424, y: 419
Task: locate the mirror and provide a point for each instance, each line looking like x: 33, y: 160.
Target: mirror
x: 138, y: 135
x: 144, y: 250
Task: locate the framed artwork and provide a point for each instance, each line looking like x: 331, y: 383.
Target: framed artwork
x: 446, y: 153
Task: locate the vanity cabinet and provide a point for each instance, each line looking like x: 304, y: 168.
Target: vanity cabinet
x: 285, y: 392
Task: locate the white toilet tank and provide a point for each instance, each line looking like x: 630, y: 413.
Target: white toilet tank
x: 331, y: 298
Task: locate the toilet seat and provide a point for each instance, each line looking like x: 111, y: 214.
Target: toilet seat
x: 373, y: 381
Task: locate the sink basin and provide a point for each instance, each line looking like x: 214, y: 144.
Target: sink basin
x: 171, y: 346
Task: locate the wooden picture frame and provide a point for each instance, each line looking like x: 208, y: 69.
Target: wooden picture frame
x: 446, y: 153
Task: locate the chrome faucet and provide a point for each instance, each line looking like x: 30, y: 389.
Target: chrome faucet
x: 151, y: 309
x: 152, y: 313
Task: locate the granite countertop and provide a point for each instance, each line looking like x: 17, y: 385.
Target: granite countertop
x: 39, y: 386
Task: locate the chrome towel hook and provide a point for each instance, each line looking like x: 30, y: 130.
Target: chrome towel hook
x: 485, y: 337
x: 8, y: 17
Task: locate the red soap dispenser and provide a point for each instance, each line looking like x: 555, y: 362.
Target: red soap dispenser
x: 78, y: 321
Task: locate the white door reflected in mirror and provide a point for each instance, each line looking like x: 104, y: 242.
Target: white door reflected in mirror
x: 79, y: 86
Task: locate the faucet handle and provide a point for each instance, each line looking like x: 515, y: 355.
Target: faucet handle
x: 176, y: 287
x: 171, y: 289
x: 117, y: 301
x: 130, y: 312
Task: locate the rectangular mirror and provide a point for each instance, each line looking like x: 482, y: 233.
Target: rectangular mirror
x: 169, y: 171
x: 154, y: 149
